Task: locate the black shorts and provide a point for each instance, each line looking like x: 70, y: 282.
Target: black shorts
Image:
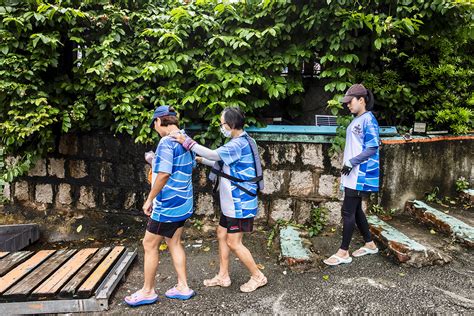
x: 236, y: 225
x: 163, y: 229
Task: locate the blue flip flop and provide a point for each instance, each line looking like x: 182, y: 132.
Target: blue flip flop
x: 174, y: 293
x: 137, y: 299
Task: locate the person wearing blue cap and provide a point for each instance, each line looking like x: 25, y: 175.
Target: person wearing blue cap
x: 169, y: 204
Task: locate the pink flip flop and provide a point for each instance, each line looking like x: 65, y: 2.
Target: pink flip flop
x: 138, y: 299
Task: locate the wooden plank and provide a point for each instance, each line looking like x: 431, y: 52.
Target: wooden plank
x: 30, y: 282
x: 13, y: 260
x: 3, y: 254
x: 70, y: 288
x: 91, y: 283
x: 23, y: 269
x: 52, y: 285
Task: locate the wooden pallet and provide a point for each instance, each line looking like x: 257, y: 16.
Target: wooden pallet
x: 18, y: 236
x: 61, y: 281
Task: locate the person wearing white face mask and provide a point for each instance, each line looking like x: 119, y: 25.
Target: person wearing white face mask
x: 236, y: 165
x: 225, y: 132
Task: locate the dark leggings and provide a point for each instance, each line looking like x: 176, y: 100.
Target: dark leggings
x: 352, y: 214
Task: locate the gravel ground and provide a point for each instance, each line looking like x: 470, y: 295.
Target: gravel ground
x: 372, y: 284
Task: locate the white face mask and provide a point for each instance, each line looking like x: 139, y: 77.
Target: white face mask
x: 225, y: 132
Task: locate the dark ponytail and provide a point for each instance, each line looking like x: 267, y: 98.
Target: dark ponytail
x: 369, y: 101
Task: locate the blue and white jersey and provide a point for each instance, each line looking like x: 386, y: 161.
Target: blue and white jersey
x: 174, y: 203
x: 363, y: 132
x: 239, y: 163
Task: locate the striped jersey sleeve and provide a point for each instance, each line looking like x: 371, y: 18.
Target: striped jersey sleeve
x: 165, y: 162
x: 230, y: 152
x: 371, y: 133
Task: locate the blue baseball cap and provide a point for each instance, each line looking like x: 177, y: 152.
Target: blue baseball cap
x: 161, y: 111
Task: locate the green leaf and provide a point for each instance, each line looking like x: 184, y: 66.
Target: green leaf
x: 378, y: 43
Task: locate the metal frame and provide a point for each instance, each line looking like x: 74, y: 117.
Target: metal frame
x: 99, y: 302
x: 325, y: 120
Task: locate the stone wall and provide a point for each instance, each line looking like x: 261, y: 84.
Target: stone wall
x: 86, y: 172
x: 106, y: 174
x: 100, y: 172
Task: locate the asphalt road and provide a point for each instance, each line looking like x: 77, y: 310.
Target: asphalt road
x: 371, y: 284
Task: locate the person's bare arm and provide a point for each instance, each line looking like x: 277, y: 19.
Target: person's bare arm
x: 156, y: 188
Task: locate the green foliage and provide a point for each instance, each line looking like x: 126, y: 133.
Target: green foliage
x: 461, y: 184
x: 279, y: 224
x: 2, y: 182
x: 68, y: 66
x: 271, y: 236
x: 433, y: 196
x: 318, y: 220
x: 197, y: 223
x: 416, y: 56
x: 458, y: 119
x: 380, y: 211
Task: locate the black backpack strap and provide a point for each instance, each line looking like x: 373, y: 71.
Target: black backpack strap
x: 245, y: 190
x: 214, y: 177
x: 231, y: 178
x: 220, y: 173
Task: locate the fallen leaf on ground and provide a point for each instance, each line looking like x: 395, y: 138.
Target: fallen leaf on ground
x: 206, y: 249
x: 79, y: 228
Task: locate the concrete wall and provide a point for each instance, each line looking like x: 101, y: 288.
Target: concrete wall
x: 411, y: 169
x: 106, y: 174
